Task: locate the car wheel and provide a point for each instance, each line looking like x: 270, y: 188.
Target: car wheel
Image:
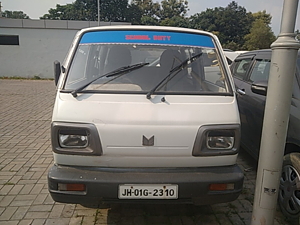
x: 289, y: 189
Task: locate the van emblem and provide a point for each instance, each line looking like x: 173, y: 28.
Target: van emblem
x: 148, y: 142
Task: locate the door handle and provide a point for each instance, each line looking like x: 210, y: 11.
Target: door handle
x: 241, y: 91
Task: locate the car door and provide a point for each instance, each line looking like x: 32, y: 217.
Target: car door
x: 252, y: 105
x: 239, y: 70
x: 293, y: 135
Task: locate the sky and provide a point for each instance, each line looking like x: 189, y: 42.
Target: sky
x: 35, y: 9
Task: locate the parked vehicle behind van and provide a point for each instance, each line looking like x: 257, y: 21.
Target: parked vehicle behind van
x: 143, y: 115
x: 251, y: 73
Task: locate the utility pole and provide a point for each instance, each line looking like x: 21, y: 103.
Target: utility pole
x: 276, y: 117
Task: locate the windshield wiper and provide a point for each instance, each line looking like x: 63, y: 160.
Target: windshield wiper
x: 121, y: 70
x: 177, y: 69
x: 126, y: 69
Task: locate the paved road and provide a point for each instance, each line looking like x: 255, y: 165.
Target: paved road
x: 25, y: 157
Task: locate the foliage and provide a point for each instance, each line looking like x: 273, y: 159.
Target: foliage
x: 236, y: 28
x: 232, y: 45
x: 86, y: 9
x: 262, y: 15
x: 110, y: 10
x: 113, y: 10
x: 24, y: 78
x: 147, y: 12
x: 14, y: 14
x: 231, y: 23
x: 205, y: 20
x: 168, y: 13
x: 147, y: 7
x: 175, y: 21
x: 134, y: 14
x: 260, y: 36
x: 138, y: 12
x: 173, y: 9
x: 147, y: 20
x: 62, y: 12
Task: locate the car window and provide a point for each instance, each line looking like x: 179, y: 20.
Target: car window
x: 260, y: 70
x: 241, y: 67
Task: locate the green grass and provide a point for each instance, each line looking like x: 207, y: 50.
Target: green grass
x: 231, y: 206
x: 24, y: 78
x: 9, y: 183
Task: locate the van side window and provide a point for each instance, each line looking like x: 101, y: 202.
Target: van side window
x: 78, y: 69
x: 260, y: 70
x: 240, y: 68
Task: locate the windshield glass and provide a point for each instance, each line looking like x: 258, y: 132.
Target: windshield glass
x: 137, y: 61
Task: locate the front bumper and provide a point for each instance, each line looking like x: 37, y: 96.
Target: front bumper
x: 102, y: 184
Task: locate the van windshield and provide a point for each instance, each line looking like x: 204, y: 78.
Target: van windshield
x: 169, y: 62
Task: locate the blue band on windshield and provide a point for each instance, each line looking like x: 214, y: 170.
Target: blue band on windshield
x: 147, y: 37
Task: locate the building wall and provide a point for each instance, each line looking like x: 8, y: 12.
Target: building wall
x: 41, y: 42
x: 35, y: 54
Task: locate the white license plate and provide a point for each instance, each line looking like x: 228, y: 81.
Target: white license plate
x: 148, y: 191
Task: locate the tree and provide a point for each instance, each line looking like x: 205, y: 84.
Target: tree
x: 14, y: 14
x: 264, y: 16
x: 146, y: 10
x: 175, y: 21
x: 232, y: 23
x: 205, y: 20
x: 134, y: 14
x: 168, y: 13
x: 62, y: 12
x: 86, y: 9
x: 147, y: 20
x: 147, y: 7
x: 232, y: 45
x: 235, y: 23
x: 260, y: 36
x: 173, y: 8
x: 113, y: 10
x: 110, y: 10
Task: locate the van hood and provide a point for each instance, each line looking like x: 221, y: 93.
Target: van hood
x: 131, y: 124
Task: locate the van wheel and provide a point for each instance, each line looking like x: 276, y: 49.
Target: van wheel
x: 289, y: 189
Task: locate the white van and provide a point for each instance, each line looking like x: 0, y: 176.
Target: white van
x: 145, y: 114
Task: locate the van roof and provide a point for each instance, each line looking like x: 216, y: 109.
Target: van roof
x: 140, y: 27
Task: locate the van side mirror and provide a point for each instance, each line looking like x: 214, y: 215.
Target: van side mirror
x: 260, y: 87
x: 57, y: 71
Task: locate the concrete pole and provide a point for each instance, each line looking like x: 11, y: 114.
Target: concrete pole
x: 278, y: 103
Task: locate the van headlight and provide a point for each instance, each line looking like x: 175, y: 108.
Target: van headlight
x: 75, y: 138
x: 220, y: 139
x: 217, y: 140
